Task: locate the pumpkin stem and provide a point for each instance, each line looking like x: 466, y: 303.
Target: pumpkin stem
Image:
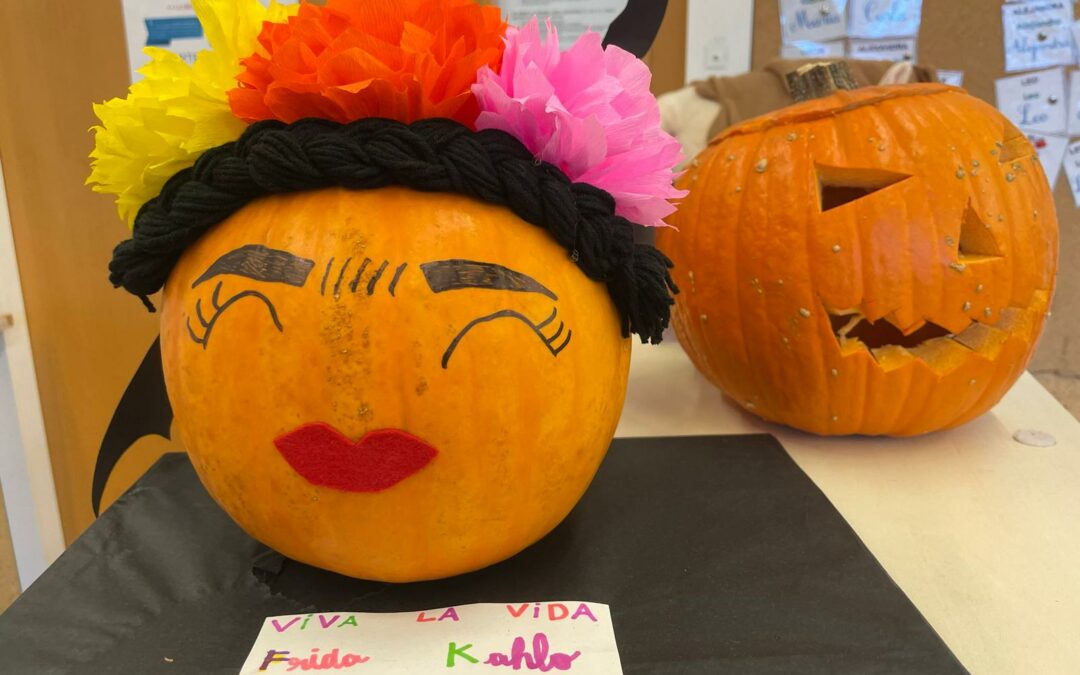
x: 815, y: 80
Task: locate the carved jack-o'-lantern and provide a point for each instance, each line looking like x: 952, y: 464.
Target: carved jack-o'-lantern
x: 396, y: 344
x: 877, y: 261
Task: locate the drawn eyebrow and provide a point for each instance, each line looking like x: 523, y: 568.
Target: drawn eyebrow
x: 261, y: 264
x: 452, y: 275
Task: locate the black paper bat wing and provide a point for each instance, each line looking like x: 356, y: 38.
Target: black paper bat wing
x: 144, y: 410
x: 635, y: 29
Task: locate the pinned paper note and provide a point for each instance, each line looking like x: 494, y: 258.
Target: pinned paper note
x: 1074, y: 103
x: 544, y: 637
x: 884, y: 18
x: 170, y: 24
x: 1072, y: 170
x: 719, y: 38
x: 571, y: 17
x: 805, y: 49
x: 1038, y: 34
x: 1035, y: 101
x: 1051, y: 151
x: 894, y: 49
x: 953, y: 78
x: 814, y: 20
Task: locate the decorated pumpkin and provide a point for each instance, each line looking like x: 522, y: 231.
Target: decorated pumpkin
x: 876, y: 261
x: 394, y: 329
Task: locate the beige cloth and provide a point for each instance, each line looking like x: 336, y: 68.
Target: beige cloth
x: 762, y: 91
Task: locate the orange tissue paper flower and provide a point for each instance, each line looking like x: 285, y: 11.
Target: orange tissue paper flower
x: 350, y: 59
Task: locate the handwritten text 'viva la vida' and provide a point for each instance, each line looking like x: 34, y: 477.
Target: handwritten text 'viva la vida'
x: 535, y: 656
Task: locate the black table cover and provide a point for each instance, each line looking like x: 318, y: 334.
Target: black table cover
x: 716, y: 555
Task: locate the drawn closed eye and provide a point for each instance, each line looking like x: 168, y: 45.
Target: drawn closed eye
x: 218, y: 308
x: 553, y: 342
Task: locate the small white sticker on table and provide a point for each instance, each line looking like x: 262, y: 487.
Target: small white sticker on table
x: 884, y: 18
x: 548, y: 637
x: 814, y: 20
x: 1038, y: 34
x: 894, y: 49
x: 1035, y: 101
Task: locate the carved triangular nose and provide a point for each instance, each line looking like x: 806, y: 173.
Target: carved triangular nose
x: 976, y: 239
x: 840, y: 185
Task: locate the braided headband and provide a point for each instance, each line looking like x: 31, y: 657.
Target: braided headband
x: 431, y: 155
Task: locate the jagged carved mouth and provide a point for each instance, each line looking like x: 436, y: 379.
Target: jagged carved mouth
x: 882, y: 333
x: 927, y: 341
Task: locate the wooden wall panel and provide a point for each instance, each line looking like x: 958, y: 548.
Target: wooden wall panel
x: 56, y: 58
x: 667, y: 58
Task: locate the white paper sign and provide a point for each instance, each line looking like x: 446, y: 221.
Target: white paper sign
x: 814, y: 20
x: 1035, y: 101
x: 1051, y: 151
x: 571, y: 17
x: 1074, y: 103
x: 951, y: 77
x: 170, y: 24
x: 894, y: 49
x: 806, y: 49
x: 884, y: 18
x: 575, y: 637
x: 1072, y: 170
x: 1038, y: 34
x: 718, y: 38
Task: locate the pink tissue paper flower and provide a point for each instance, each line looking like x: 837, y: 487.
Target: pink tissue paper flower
x: 589, y: 112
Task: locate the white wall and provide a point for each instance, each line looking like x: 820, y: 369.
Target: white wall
x: 25, y: 468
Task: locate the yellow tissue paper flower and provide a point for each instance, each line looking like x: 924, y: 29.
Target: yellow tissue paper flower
x: 176, y: 112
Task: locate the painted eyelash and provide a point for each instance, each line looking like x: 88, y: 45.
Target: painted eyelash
x: 219, y: 309
x: 537, y: 328
x: 334, y: 288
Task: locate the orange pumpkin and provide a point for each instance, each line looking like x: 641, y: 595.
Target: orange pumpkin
x: 877, y: 261
x: 468, y: 331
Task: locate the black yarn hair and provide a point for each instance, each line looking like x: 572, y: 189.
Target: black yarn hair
x: 432, y: 155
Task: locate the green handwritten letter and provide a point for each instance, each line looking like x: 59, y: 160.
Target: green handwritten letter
x: 454, y: 651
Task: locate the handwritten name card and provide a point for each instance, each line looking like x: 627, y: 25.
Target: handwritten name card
x: 1072, y: 170
x: 813, y: 20
x: 813, y: 50
x: 1051, y: 150
x: 1074, y: 103
x: 1035, y: 101
x: 951, y: 77
x: 884, y: 18
x: 1038, y: 34
x: 541, y: 637
x: 894, y: 49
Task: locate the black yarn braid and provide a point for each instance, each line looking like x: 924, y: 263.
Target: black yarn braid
x: 434, y: 155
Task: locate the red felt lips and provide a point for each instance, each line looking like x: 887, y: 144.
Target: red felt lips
x: 326, y: 457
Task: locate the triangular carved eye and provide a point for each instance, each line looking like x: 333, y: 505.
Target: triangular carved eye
x: 840, y: 186
x: 976, y: 240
